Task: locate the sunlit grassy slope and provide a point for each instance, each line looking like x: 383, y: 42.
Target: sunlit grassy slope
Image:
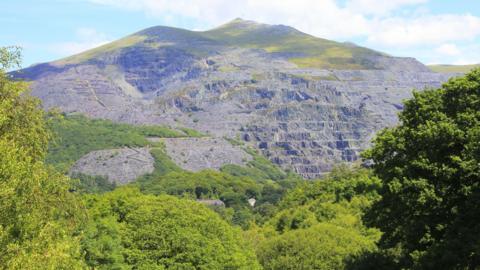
x: 452, y: 68
x: 300, y: 48
x: 112, y: 46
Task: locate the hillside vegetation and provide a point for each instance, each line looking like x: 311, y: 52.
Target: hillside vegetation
x: 129, y: 230
x: 75, y: 136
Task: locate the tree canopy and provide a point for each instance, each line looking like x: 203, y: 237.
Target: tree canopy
x: 430, y: 167
x: 318, y: 225
x: 38, y: 214
x: 141, y: 231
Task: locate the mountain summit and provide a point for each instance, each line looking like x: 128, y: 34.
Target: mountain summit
x: 300, y: 48
x: 304, y: 102
x: 304, y: 50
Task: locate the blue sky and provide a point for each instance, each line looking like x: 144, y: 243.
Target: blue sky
x: 433, y: 31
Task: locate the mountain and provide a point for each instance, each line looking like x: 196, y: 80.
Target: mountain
x: 452, y: 68
x: 305, y: 102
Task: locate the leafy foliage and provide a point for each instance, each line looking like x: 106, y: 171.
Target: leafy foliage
x: 430, y: 165
x: 202, y: 185
x: 129, y: 229
x: 91, y: 184
x: 318, y: 225
x: 20, y: 119
x: 38, y: 215
x: 234, y: 191
x: 322, y: 246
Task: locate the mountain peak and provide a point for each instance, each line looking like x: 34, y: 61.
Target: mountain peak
x: 239, y: 23
x: 237, y: 20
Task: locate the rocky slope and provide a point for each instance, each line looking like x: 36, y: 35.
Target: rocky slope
x: 196, y: 154
x: 117, y: 165
x: 305, y: 102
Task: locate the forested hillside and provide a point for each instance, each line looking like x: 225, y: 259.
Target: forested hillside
x: 414, y: 204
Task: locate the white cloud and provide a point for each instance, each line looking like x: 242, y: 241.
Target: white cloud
x: 375, y: 7
x: 470, y: 55
x: 431, y: 29
x: 456, y: 54
x: 448, y: 49
x: 322, y: 18
x: 86, y: 38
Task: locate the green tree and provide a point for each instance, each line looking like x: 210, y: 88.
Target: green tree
x: 430, y: 167
x: 234, y: 191
x: 322, y: 246
x: 319, y: 224
x: 102, y: 243
x: 38, y: 214
x: 21, y: 119
x: 160, y: 232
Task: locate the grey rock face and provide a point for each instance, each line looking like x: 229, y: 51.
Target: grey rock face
x: 120, y: 166
x: 211, y: 202
x: 196, y: 154
x: 306, y: 119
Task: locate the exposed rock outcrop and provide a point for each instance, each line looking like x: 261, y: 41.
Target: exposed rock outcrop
x: 120, y: 166
x: 196, y: 154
